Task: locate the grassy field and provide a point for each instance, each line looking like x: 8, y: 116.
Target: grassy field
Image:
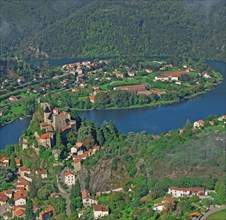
x: 221, y: 215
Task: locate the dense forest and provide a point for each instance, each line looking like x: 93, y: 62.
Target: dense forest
x: 84, y: 28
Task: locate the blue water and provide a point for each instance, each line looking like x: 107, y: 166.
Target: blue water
x: 152, y: 120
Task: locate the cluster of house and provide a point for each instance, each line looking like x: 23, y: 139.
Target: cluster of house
x: 177, y: 192
x: 53, y: 121
x: 79, y: 67
x: 89, y: 201
x: 78, y: 154
x: 20, y: 191
x: 200, y: 123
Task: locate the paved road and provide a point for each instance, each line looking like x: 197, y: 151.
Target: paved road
x: 66, y: 196
x: 213, y: 210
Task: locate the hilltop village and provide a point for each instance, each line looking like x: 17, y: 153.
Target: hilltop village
x: 50, y: 183
x: 102, y: 84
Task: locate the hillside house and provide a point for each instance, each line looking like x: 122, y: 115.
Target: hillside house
x: 42, y: 173
x: 1, y: 112
x: 4, y: 161
x: 77, y: 165
x: 99, y: 211
x: 161, y: 206
x: 19, y: 198
x: 87, y: 200
x: 45, y: 140
x: 13, y: 98
x: 74, y: 149
x: 194, y: 215
x: 3, y: 198
x: 8, y: 193
x: 92, y: 98
x: 24, y: 170
x: 199, y: 124
x: 46, y: 214
x: 186, y: 192
x: 19, y: 212
x: 69, y: 178
x: 22, y: 184
x: 18, y: 162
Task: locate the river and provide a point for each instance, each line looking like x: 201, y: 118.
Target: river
x: 152, y: 120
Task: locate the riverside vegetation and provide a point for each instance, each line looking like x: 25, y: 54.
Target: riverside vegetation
x: 96, y: 85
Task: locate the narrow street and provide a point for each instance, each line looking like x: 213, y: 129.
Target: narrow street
x: 64, y: 195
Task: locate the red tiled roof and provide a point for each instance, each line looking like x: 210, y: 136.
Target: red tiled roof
x: 24, y: 169
x: 100, y: 208
x: 53, y: 194
x: 96, y: 147
x: 19, y: 195
x: 67, y: 173
x: 3, y: 197
x: 43, y: 124
x: 17, y: 161
x: 92, y: 98
x: 85, y: 193
x: 45, y: 136
x: 40, y: 172
x: 20, y: 212
x: 194, y: 214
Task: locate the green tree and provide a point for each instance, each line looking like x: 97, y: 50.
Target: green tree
x: 75, y: 197
x: 29, y: 210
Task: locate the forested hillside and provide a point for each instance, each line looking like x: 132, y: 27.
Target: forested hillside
x: 114, y: 28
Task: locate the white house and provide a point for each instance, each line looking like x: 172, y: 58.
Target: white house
x: 186, y: 192
x: 42, y: 173
x: 69, y: 178
x: 160, y: 206
x: 100, y: 211
x: 198, y: 124
x: 73, y: 149
x: 19, y: 199
x: 87, y: 200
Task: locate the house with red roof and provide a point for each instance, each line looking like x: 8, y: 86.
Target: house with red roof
x: 173, y: 76
x: 194, y: 215
x: 87, y: 199
x: 186, y: 192
x: 13, y: 98
x: 8, y: 193
x: 42, y: 173
x: 92, y: 98
x: 45, y: 140
x: 4, y: 161
x: 199, y: 124
x: 161, y: 206
x: 47, y: 213
x: 18, y: 162
x: 3, y: 198
x: 19, y: 212
x: 20, y: 198
x: 99, y: 211
x: 69, y: 178
x: 22, y: 171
